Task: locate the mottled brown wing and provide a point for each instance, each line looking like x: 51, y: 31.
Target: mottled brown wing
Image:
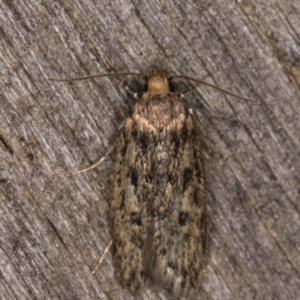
x: 158, y: 206
x: 177, y: 242
x: 129, y: 208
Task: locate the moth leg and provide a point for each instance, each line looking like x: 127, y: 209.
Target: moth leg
x: 129, y: 90
x: 189, y: 91
x: 102, y: 257
x: 211, y: 153
x: 186, y: 93
x: 97, y: 163
x: 214, y: 154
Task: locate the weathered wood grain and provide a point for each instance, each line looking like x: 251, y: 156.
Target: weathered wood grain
x: 54, y: 225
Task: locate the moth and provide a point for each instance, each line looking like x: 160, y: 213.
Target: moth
x: 158, y: 203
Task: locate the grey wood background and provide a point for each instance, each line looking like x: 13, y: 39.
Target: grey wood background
x: 54, y: 225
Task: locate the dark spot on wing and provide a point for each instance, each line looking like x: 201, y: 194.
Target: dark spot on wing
x: 133, y: 175
x: 175, y: 142
x: 143, y: 140
x: 183, y: 218
x: 136, y: 219
x: 186, y: 178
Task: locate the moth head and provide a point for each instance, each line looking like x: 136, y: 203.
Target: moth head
x: 158, y: 83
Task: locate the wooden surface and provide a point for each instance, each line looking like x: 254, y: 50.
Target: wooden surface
x: 54, y: 225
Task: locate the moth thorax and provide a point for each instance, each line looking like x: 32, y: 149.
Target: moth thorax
x: 158, y: 83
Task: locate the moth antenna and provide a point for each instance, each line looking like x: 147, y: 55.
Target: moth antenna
x: 210, y: 85
x: 118, y: 74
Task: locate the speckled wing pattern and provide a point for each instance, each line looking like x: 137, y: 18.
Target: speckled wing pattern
x: 158, y: 208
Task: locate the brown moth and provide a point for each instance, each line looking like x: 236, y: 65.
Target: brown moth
x: 158, y: 204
